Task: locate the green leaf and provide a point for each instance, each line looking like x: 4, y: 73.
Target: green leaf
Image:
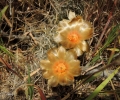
x: 3, y: 11
x: 30, y: 87
x: 102, y: 85
x: 92, y: 77
x: 2, y: 48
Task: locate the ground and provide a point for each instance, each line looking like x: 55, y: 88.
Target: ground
x: 27, y: 28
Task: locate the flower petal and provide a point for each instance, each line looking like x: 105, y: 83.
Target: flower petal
x: 63, y: 23
x: 61, y: 52
x: 75, y: 67
x: 69, y: 78
x: 78, y: 50
x: 75, y: 21
x: 74, y: 63
x: 85, y: 46
x: 45, y: 64
x: 64, y: 33
x: 71, y: 15
x: 53, y: 81
x: 52, y: 55
x: 86, y: 30
x: 67, y: 44
x: 47, y: 74
x: 70, y: 55
x: 86, y: 34
x: 58, y: 38
x: 66, y: 79
x: 62, y: 79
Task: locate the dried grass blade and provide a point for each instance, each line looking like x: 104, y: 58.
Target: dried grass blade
x: 112, y: 35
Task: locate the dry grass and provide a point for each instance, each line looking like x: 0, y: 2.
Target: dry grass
x: 27, y: 30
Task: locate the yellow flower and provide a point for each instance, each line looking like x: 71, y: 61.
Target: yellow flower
x: 72, y: 33
x: 61, y: 67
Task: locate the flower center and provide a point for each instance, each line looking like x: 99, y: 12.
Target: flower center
x: 73, y: 37
x: 60, y: 67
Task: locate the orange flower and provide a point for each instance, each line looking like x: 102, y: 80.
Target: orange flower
x: 72, y: 33
x: 61, y: 67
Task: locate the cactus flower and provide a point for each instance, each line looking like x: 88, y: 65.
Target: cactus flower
x: 72, y: 33
x: 60, y: 67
